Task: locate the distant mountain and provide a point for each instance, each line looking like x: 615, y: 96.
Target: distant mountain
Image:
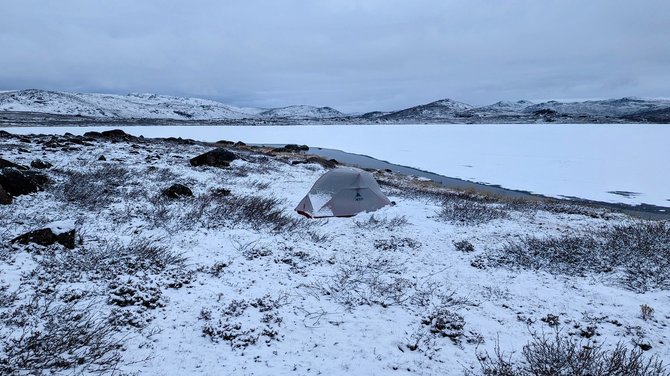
x: 149, y: 106
x: 609, y: 107
x: 302, y: 112
x: 40, y: 107
x: 443, y: 109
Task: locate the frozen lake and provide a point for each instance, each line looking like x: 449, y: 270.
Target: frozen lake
x: 621, y: 163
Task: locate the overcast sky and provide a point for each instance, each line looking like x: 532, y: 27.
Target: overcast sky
x: 354, y: 55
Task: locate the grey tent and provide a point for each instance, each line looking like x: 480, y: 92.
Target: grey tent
x: 342, y: 192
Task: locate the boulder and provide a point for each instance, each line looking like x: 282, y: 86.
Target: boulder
x: 17, y: 183
x: 177, y: 191
x: 102, y: 158
x: 326, y: 163
x: 46, y: 237
x: 40, y: 164
x: 5, y: 198
x: 218, y: 157
x: 114, y: 133
x: 5, y: 163
x: 291, y: 148
x: 93, y: 135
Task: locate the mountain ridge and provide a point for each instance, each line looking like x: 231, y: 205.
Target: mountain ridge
x: 20, y: 106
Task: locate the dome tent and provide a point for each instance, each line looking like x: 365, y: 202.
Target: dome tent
x: 342, y: 192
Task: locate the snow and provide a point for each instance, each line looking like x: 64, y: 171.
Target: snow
x: 121, y: 106
x: 606, y: 162
x: 60, y: 227
x: 318, y: 335
x: 154, y: 106
x: 302, y: 111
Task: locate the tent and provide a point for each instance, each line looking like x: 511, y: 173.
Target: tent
x: 342, y: 192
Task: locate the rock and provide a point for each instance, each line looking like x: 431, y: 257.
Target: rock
x: 221, y: 192
x: 291, y: 148
x: 5, y: 163
x: 40, y: 164
x: 5, y: 198
x: 326, y: 163
x: 67, y: 239
x: 102, y: 158
x: 93, y: 135
x: 39, y: 178
x: 46, y: 237
x: 114, y: 133
x: 177, y: 190
x: 218, y: 157
x: 17, y: 183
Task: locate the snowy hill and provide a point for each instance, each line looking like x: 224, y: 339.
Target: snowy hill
x: 609, y: 107
x: 302, y: 112
x: 442, y: 109
x: 149, y: 106
x: 505, y: 107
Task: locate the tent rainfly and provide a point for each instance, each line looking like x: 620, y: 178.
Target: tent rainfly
x: 342, y: 192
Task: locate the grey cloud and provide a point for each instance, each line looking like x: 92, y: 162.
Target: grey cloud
x: 352, y: 55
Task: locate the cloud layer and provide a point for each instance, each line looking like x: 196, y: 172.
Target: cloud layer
x: 352, y: 55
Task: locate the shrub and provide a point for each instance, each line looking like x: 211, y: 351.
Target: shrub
x: 373, y: 223
x: 562, y: 355
x: 469, y: 212
x: 646, y: 312
x: 445, y: 323
x: 464, y: 246
x: 223, y: 324
x: 95, y: 188
x: 57, y: 337
x: 396, y: 244
x: 214, y: 210
x: 109, y: 261
x: 375, y: 281
x: 640, y: 252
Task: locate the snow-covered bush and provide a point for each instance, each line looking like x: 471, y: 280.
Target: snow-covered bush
x: 367, y: 282
x: 95, y: 188
x: 396, y: 244
x: 104, y: 262
x: 560, y: 354
x: 639, y: 253
x: 258, y: 212
x: 373, y: 223
x: 243, y: 323
x: 464, y: 246
x: 470, y: 212
x: 50, y: 336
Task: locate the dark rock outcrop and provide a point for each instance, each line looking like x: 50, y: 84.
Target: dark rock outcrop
x: 326, y: 163
x: 291, y: 148
x: 177, y: 191
x: 5, y: 198
x: 114, y: 133
x: 5, y: 163
x: 17, y: 183
x: 46, y: 237
x: 218, y: 157
x: 40, y: 164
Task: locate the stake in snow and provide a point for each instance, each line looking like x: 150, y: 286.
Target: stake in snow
x: 137, y: 255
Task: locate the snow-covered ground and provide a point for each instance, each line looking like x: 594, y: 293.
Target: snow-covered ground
x: 605, y: 162
x: 381, y: 293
